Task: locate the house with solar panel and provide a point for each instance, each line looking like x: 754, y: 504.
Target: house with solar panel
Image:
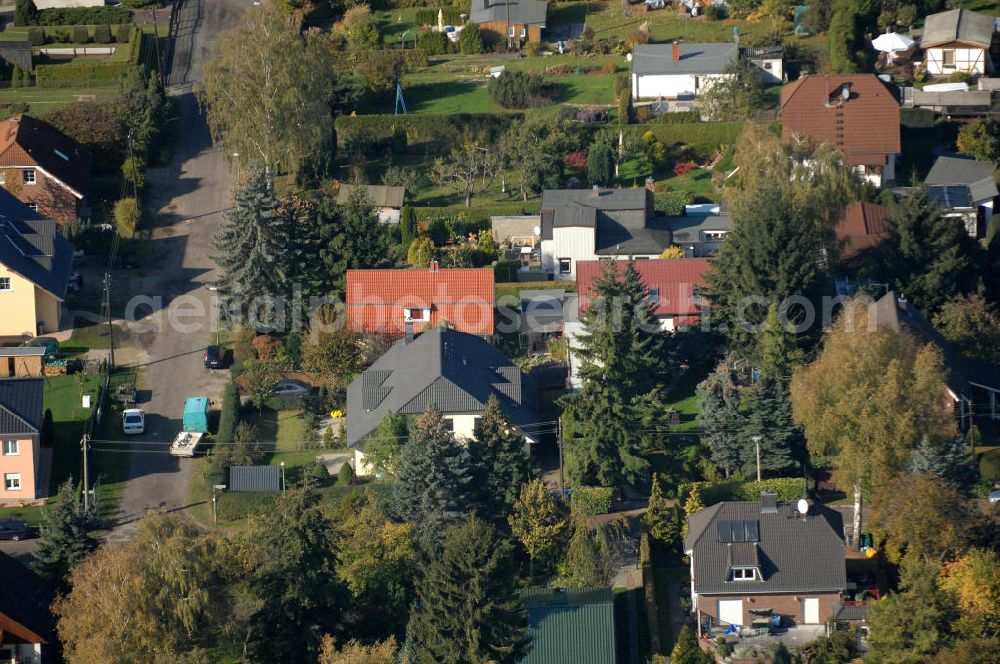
x: 965, y: 189
x: 756, y: 564
x: 453, y: 371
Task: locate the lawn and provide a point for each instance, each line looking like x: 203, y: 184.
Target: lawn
x: 697, y: 182
x: 86, y: 335
x: 63, y: 396
x: 609, y: 20
x: 41, y: 101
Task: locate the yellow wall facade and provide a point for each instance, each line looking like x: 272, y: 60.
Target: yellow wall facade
x: 17, y: 306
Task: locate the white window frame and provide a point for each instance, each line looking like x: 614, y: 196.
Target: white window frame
x: 510, y: 31
x: 3, y: 177
x: 569, y: 265
x: 12, y: 448
x: 945, y: 53
x: 6, y: 285
x: 12, y: 481
x: 524, y: 32
x: 740, y: 574
x: 28, y: 176
x: 449, y: 424
x: 715, y: 236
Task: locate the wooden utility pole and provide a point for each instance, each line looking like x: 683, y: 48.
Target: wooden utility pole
x: 84, y: 446
x: 562, y: 484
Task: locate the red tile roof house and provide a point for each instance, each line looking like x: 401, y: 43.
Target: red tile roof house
x: 671, y: 282
x: 859, y: 231
x: 386, y: 300
x: 44, y: 169
x: 857, y: 115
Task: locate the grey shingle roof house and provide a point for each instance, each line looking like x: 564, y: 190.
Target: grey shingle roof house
x: 971, y: 173
x: 585, y: 224
x: 752, y: 559
x: 570, y: 626
x: 454, y: 371
x: 522, y: 12
x: 21, y: 406
x: 27, y: 242
x: 957, y: 25
x: 249, y: 479
x: 692, y: 58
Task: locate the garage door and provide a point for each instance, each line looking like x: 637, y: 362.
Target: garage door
x: 731, y: 611
x: 811, y: 610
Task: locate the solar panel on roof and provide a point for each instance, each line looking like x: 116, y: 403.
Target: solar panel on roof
x: 751, y: 531
x: 738, y: 532
x: 725, y: 531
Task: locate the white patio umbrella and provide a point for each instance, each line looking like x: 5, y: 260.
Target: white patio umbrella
x: 892, y: 42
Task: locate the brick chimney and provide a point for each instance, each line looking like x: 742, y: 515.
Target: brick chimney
x: 596, y: 191
x: 434, y: 266
x: 676, y: 51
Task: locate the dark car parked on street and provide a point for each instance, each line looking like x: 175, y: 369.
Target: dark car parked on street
x: 215, y: 357
x: 13, y: 529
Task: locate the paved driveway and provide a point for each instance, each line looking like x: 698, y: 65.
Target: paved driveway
x: 189, y: 195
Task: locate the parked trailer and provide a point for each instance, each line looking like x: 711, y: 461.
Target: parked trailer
x: 186, y: 443
x: 194, y: 427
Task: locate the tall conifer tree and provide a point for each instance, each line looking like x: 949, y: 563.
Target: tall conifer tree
x: 467, y: 609
x: 433, y: 488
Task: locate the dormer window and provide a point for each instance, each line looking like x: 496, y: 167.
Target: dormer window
x: 417, y: 314
x: 745, y: 574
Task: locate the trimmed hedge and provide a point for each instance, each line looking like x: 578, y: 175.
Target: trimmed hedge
x: 787, y: 488
x: 592, y: 499
x: 348, y: 61
x: 708, y: 134
x: 83, y: 16
x: 430, y: 133
x: 478, y: 213
x: 73, y: 73
x: 79, y: 71
x: 452, y: 16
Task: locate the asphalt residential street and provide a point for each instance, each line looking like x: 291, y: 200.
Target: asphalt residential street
x: 188, y: 196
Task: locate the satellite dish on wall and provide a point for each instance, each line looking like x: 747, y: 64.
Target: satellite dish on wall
x: 803, y: 506
x: 537, y: 230
x: 628, y: 57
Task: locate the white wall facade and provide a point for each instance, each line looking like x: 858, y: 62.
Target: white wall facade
x: 772, y: 70
x: 965, y: 58
x: 671, y: 86
x: 575, y: 243
x: 388, y: 215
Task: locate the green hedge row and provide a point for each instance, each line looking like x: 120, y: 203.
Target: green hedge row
x: 706, y: 134
x: 80, y: 71
x: 787, y: 488
x: 452, y: 16
x: 592, y: 499
x: 476, y: 214
x: 346, y: 61
x: 73, y: 73
x: 423, y: 133
x: 83, y: 16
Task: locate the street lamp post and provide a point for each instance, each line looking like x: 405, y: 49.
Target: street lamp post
x: 215, y: 507
x: 236, y: 155
x: 756, y: 440
x: 282, y: 477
